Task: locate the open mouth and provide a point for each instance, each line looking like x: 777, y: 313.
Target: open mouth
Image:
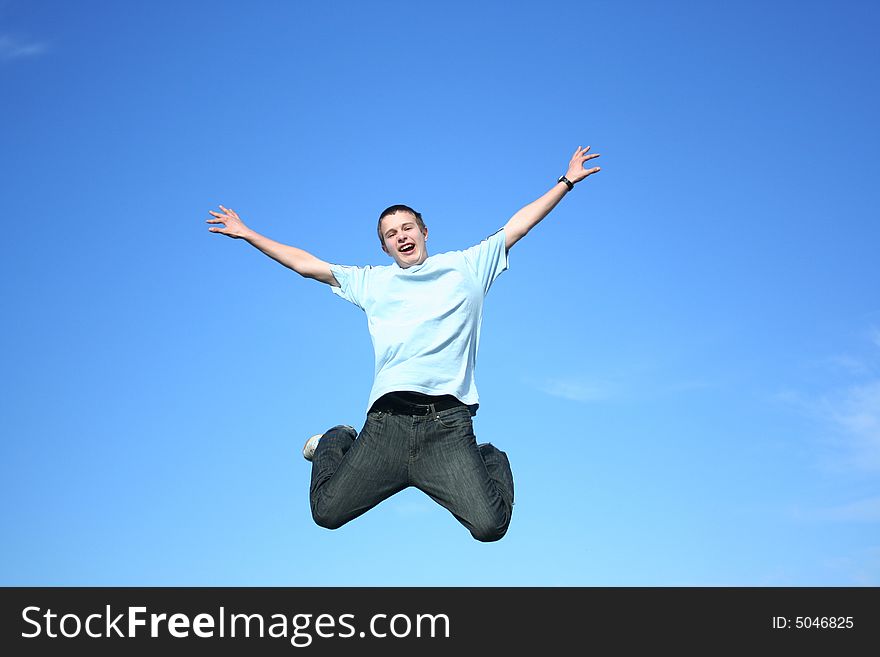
x: 407, y: 248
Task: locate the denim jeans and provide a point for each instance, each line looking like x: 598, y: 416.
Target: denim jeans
x: 436, y: 453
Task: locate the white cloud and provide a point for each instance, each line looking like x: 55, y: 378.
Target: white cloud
x: 692, y: 385
x: 575, y: 389
x: 867, y: 510
x: 12, y: 48
x: 855, y: 414
x: 848, y: 364
x: 409, y: 507
x: 847, y: 417
x: 860, y: 569
x: 875, y: 336
x: 591, y: 390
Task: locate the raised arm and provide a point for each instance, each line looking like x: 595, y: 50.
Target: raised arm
x: 302, y: 262
x: 528, y: 217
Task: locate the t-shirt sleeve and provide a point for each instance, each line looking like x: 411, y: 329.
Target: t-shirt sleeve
x: 353, y: 283
x: 488, y: 259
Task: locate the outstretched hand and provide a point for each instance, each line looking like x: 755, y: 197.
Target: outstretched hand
x: 232, y: 225
x: 576, y: 170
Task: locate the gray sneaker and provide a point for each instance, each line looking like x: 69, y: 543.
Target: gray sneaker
x: 312, y: 443
x: 309, y: 447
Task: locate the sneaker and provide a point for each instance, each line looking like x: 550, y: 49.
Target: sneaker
x: 309, y: 447
x: 312, y: 443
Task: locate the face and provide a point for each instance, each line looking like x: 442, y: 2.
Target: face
x: 403, y: 240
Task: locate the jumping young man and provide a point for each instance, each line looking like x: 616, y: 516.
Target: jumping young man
x: 424, y: 315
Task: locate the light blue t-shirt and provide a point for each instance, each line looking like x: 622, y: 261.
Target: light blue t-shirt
x: 425, y: 320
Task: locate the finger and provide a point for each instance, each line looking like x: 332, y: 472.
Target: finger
x: 231, y: 213
x: 590, y: 156
x: 216, y: 214
x: 590, y: 172
x: 215, y: 221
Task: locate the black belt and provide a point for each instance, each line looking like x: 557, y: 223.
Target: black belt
x: 414, y: 403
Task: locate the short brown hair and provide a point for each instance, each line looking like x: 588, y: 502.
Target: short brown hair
x: 398, y: 208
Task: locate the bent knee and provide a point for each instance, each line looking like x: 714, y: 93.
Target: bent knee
x: 327, y: 521
x: 489, y: 533
x: 326, y: 518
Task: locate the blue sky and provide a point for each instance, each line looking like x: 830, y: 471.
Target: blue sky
x: 682, y: 363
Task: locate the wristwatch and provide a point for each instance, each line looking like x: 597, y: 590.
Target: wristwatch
x: 565, y: 180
